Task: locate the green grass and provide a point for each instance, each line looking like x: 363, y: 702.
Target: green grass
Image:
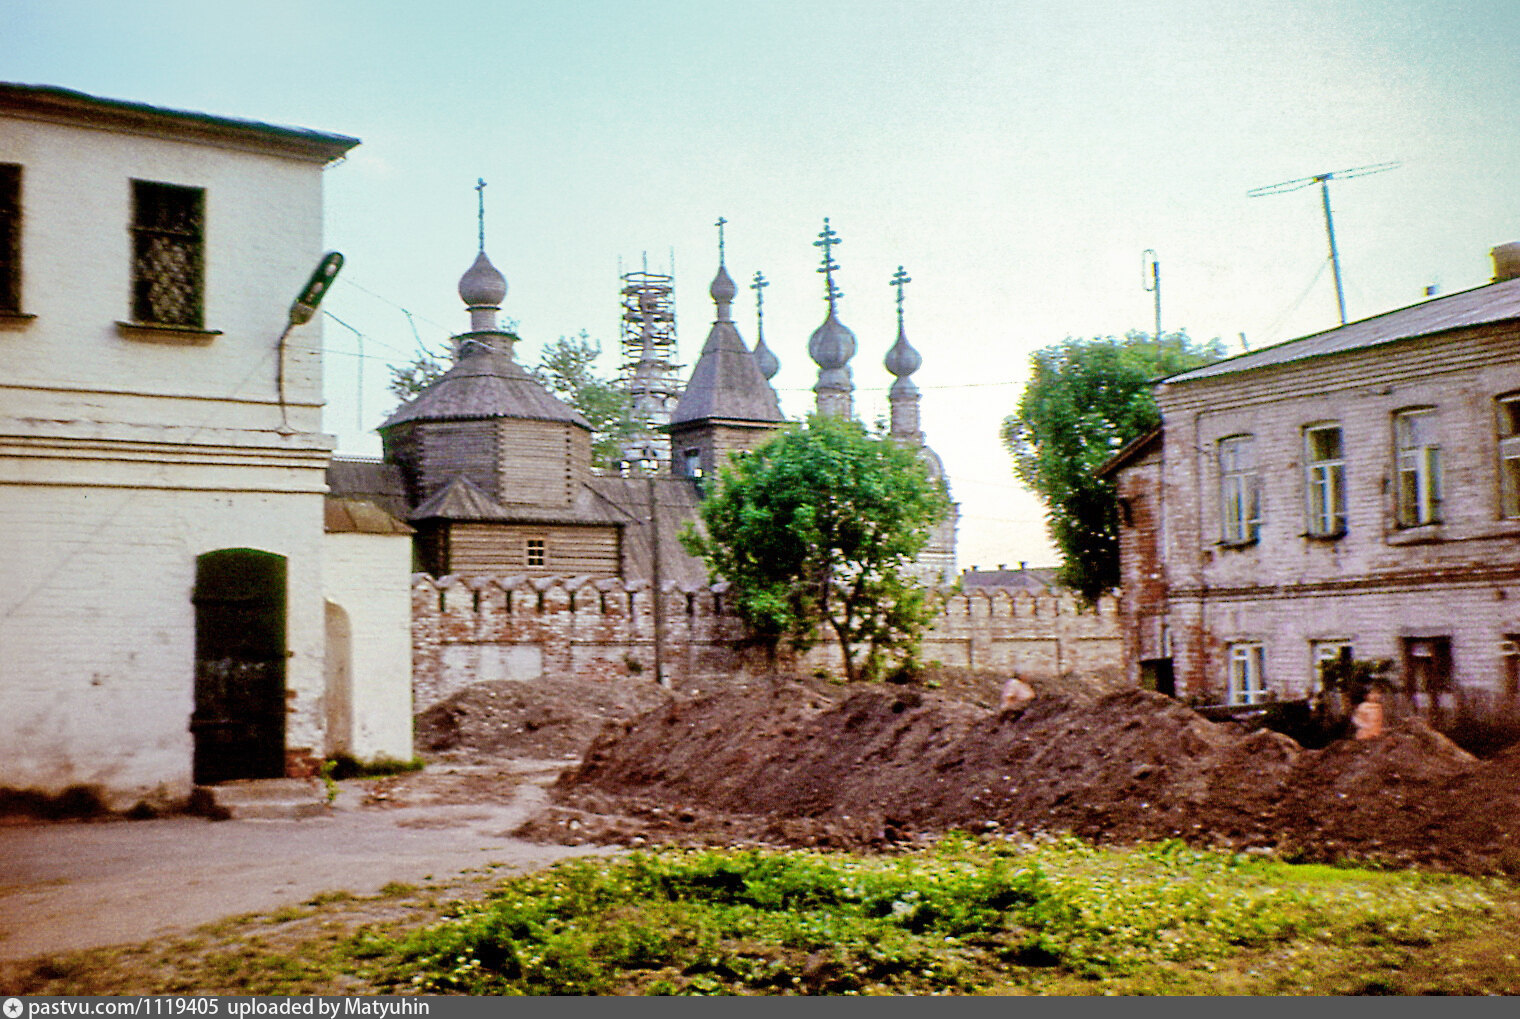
x: 991, y: 915
x: 966, y: 917
x: 347, y: 766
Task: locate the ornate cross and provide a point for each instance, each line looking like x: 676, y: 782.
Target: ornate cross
x: 480, y: 191
x: 899, y: 280
x: 759, y: 288
x: 826, y: 240
x: 720, y: 224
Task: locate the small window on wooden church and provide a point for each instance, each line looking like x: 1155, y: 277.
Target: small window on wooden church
x: 536, y: 550
x: 10, y: 237
x: 168, y: 254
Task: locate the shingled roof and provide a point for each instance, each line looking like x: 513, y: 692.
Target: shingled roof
x: 463, y: 500
x: 726, y: 383
x: 484, y: 384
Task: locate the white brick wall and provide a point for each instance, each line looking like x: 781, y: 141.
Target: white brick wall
x: 368, y: 578
x: 123, y: 458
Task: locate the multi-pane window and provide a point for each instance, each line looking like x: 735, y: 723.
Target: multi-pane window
x: 168, y: 254
x: 1239, y: 490
x: 1509, y: 455
x: 10, y: 237
x: 536, y: 551
x: 1417, y: 450
x: 1325, y: 480
x: 1247, y: 679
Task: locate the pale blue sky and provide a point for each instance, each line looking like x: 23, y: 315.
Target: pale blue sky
x: 1015, y: 157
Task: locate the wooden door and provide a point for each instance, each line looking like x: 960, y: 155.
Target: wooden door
x: 239, y: 719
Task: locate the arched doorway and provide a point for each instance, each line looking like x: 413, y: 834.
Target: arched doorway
x: 239, y: 719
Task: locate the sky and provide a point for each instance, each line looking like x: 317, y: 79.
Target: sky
x: 1015, y: 157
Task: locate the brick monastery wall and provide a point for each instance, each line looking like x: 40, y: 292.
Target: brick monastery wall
x: 471, y: 630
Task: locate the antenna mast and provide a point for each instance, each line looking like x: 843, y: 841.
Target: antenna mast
x: 1150, y: 280
x: 1323, y: 180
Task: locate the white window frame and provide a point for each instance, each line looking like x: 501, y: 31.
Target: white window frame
x: 1239, y: 491
x: 1417, y: 467
x: 1508, y: 407
x: 1325, y: 483
x: 1247, y: 679
x: 539, y: 546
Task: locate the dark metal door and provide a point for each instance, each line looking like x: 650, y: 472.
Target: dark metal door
x: 239, y: 719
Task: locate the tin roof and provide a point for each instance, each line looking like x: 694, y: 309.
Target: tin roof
x: 1493, y: 302
x: 358, y: 516
x: 62, y: 105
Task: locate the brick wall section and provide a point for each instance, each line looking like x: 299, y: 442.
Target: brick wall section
x: 1378, y: 585
x: 469, y: 630
x: 1143, y: 598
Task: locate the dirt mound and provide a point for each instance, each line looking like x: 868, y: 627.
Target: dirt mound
x: 781, y: 763
x: 545, y: 718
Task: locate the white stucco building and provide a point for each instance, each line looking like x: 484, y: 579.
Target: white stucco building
x: 161, y: 453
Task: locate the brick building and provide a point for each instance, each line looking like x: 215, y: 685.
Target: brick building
x: 1355, y: 490
x: 161, y: 454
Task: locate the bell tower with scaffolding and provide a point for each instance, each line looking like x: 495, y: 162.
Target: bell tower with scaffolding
x: 649, y: 369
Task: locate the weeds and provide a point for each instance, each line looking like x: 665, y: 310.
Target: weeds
x: 964, y: 917
x: 341, y: 766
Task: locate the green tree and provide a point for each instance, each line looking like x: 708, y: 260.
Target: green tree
x: 567, y: 368
x: 1085, y: 399
x: 816, y: 529
x: 407, y: 380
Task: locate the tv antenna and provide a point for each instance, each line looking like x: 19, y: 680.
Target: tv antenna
x: 1323, y: 180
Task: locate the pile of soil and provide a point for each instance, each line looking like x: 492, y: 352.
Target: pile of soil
x: 542, y: 719
x: 780, y: 763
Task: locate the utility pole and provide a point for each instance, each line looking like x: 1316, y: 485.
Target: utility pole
x: 1323, y: 180
x: 656, y: 582
x: 1150, y: 280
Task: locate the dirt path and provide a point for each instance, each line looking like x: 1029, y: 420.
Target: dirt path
x: 67, y: 886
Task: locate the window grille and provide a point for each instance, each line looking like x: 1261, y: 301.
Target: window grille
x: 1509, y: 455
x: 537, y: 549
x: 1325, y: 481
x: 1247, y: 680
x: 1418, y: 467
x: 10, y: 237
x: 1239, y: 490
x: 168, y: 256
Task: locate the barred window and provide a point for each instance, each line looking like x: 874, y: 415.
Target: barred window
x: 1418, y: 467
x: 168, y: 254
x: 1239, y: 491
x: 1509, y: 455
x: 1325, y: 480
x: 10, y: 237
x: 537, y: 548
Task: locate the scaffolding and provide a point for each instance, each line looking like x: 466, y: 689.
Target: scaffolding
x: 650, y: 373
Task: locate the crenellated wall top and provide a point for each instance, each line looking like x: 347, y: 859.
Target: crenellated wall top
x: 982, y: 603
